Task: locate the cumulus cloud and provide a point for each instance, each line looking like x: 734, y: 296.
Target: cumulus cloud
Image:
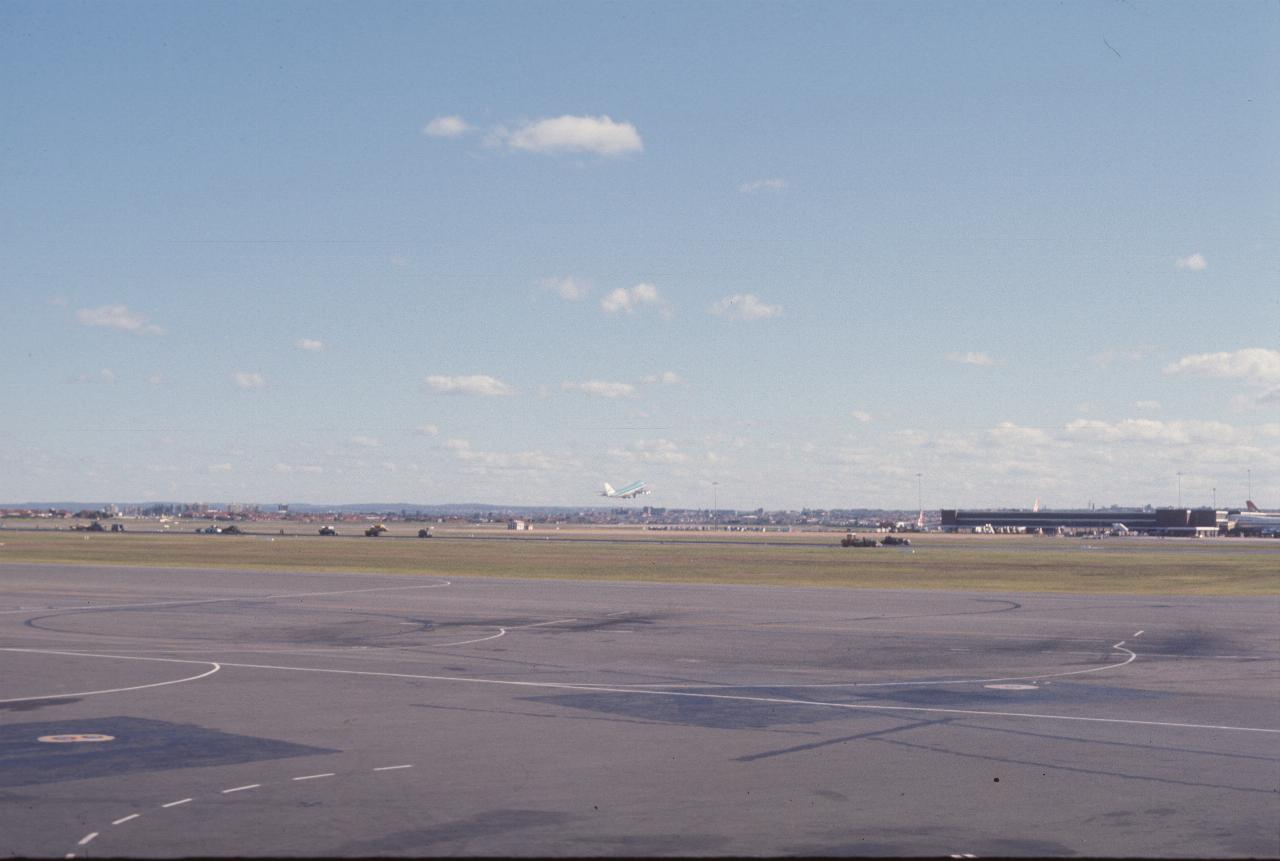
x: 249, y: 379
x: 427, y: 430
x: 666, y: 378
x: 309, y: 344
x: 650, y: 451
x: 568, y: 288
x: 630, y: 300
x: 1194, y: 262
x: 1147, y: 406
x: 118, y: 317
x: 106, y: 375
x: 518, y: 460
x: 1008, y: 433
x: 570, y: 134
x: 1254, y: 365
x: 366, y: 441
x: 446, y: 127
x: 1152, y: 431
x: 601, y: 389
x: 861, y: 415
x: 972, y: 358
x: 475, y: 384
x: 755, y: 185
x: 744, y: 306
x: 219, y: 467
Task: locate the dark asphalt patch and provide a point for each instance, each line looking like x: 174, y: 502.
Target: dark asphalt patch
x: 481, y: 825
x: 140, y: 745
x: 693, y: 710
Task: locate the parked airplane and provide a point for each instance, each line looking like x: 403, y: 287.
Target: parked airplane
x: 631, y: 491
x: 1257, y: 521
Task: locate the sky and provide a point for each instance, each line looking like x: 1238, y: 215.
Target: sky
x: 778, y: 255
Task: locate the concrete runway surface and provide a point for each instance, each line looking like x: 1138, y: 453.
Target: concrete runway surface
x: 161, y: 713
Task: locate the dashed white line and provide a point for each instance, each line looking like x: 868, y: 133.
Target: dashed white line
x: 392, y: 767
x: 314, y: 776
x: 241, y: 788
x: 176, y: 803
x: 85, y: 840
x: 1139, y: 634
x: 123, y: 819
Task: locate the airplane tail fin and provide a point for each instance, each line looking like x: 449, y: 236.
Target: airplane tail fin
x: 1249, y: 504
x: 1036, y: 507
x: 608, y: 489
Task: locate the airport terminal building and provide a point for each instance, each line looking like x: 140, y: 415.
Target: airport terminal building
x: 1149, y: 521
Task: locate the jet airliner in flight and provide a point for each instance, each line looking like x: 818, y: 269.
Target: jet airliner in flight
x: 631, y: 491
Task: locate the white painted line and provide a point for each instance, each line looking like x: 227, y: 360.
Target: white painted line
x: 392, y: 767
x: 176, y: 803
x: 241, y: 788
x: 122, y: 820
x: 315, y: 776
x: 702, y: 695
x: 619, y: 613
x: 215, y: 669
x: 85, y: 840
x: 1139, y: 634
x: 540, y: 624
x: 501, y: 633
x: 70, y: 855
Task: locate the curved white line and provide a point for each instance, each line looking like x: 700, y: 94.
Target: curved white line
x: 1132, y: 657
x: 216, y: 667
x: 692, y: 695
x: 501, y: 633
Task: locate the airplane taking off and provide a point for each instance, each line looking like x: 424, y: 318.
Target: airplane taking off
x: 631, y: 491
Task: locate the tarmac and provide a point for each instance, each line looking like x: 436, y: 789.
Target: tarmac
x: 167, y: 712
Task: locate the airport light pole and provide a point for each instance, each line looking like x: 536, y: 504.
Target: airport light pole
x: 1179, y: 490
x: 715, y: 501
x: 919, y: 491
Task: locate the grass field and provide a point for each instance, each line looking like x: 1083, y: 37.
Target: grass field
x: 978, y: 563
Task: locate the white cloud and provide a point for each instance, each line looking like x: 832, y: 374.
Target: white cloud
x: 427, y: 430
x: 446, y: 127
x: 309, y: 344
x: 666, y: 378
x: 755, y: 185
x: 1194, y: 262
x: 1008, y: 433
x: 1255, y: 366
x: 861, y: 415
x: 1147, y: 406
x: 366, y: 441
x: 570, y: 134
x: 629, y: 300
x: 1152, y: 431
x: 744, y: 306
x: 650, y: 451
x: 118, y: 317
x: 285, y: 468
x: 568, y: 288
x: 249, y: 379
x: 106, y: 375
x: 219, y: 467
x: 601, y: 389
x: 972, y: 358
x: 485, y: 460
x: 475, y: 384
x: 159, y: 379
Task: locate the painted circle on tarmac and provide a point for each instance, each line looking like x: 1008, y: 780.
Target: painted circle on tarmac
x: 1012, y: 687
x: 73, y: 737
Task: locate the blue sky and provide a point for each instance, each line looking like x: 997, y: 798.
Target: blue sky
x: 502, y: 252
